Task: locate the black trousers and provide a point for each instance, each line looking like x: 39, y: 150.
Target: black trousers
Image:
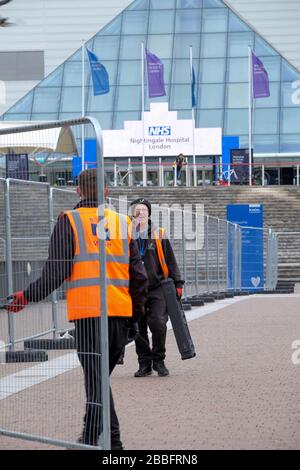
x: 156, y: 318
x: 87, y: 340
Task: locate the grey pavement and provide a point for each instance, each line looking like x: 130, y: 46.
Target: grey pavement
x: 241, y: 391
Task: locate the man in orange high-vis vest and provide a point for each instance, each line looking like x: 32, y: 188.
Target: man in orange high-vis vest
x: 73, y: 257
x: 160, y: 263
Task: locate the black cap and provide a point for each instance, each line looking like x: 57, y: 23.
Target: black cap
x: 142, y: 200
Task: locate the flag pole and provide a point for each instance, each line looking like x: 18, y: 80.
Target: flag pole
x: 143, y: 118
x: 82, y: 106
x: 193, y: 121
x: 250, y: 113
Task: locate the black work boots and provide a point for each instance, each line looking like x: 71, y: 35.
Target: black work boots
x: 145, y: 369
x: 160, y: 368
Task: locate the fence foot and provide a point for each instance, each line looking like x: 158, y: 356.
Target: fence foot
x: 196, y: 302
x: 50, y: 344
x: 26, y: 356
x: 186, y: 306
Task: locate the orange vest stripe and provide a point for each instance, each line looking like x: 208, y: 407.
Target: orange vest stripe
x: 160, y: 251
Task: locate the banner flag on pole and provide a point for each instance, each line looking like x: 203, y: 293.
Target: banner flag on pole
x: 193, y: 89
x: 99, y: 74
x: 155, y: 71
x: 260, y: 78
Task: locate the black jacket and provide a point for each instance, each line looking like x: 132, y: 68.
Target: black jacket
x: 58, y: 266
x: 152, y: 264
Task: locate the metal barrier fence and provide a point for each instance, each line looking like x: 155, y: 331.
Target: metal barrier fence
x: 214, y: 255
x: 41, y: 333
x: 211, y: 257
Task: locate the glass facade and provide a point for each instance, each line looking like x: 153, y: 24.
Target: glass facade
x: 168, y: 28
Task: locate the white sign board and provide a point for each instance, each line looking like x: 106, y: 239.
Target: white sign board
x: 164, y: 135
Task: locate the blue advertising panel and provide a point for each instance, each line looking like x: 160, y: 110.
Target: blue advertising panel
x: 89, y: 157
x: 250, y: 218
x: 240, y: 166
x: 17, y: 166
x: 228, y: 143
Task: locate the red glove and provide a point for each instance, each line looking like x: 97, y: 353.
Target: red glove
x: 18, y: 302
x: 179, y: 292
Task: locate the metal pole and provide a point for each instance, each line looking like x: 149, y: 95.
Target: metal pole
x: 297, y: 179
x: 206, y: 254
x: 236, y: 257
x: 193, y: 121
x: 196, y: 256
x: 9, y: 267
x: 103, y: 324
x: 159, y: 172
x: 129, y: 173
x: 187, y: 172
x: 250, y: 114
x: 143, y: 119
x: 162, y: 174
x: 268, y: 261
x: 115, y: 175
x: 263, y: 175
x: 228, y: 260
x: 184, y: 257
x: 218, y: 255
x: 54, y: 293
x: 82, y: 107
x: 238, y: 233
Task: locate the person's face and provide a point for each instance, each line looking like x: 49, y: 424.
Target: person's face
x: 141, y: 214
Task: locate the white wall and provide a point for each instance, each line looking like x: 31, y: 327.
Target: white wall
x: 54, y: 26
x: 278, y: 21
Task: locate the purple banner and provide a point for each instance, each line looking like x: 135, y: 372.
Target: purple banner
x: 260, y: 78
x: 155, y: 70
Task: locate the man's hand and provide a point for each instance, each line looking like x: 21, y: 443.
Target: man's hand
x: 133, y: 331
x: 17, y: 302
x: 179, y: 292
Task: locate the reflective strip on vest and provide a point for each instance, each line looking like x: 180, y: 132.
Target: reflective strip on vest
x: 85, y: 256
x: 160, y: 252
x: 95, y: 282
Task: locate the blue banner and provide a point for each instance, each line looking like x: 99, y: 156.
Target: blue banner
x: 250, y: 218
x: 99, y: 75
x: 193, y: 89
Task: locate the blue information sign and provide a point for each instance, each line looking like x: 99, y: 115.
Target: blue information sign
x: 90, y: 157
x: 250, y: 218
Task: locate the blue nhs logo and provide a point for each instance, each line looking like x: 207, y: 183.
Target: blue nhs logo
x: 159, y: 130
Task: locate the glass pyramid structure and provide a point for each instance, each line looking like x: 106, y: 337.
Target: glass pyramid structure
x: 168, y: 28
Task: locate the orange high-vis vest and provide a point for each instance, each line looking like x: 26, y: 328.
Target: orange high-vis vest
x: 160, y: 251
x: 83, y: 286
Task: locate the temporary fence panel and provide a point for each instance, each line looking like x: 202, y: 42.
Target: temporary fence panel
x: 213, y: 255
x: 44, y: 393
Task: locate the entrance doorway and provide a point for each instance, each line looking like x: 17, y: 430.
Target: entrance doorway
x: 286, y: 175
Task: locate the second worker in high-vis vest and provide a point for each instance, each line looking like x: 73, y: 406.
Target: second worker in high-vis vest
x: 160, y: 263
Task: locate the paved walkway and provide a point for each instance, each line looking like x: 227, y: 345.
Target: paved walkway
x: 240, y: 392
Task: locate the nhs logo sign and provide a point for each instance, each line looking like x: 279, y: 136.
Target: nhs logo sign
x: 159, y: 130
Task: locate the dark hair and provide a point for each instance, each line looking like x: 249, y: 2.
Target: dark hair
x: 87, y: 183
